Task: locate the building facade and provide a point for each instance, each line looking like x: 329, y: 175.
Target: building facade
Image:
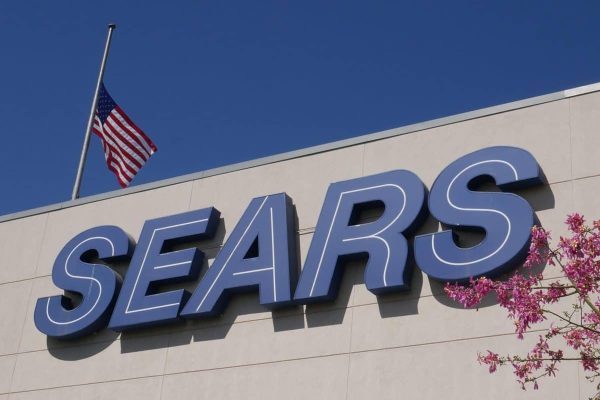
x: 412, y: 344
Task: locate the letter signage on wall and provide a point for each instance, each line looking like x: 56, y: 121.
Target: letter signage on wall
x: 260, y: 253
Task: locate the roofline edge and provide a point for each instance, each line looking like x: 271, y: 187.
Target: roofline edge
x: 339, y: 144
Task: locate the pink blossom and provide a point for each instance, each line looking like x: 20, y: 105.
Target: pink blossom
x: 526, y: 299
x: 589, y: 363
x: 538, y: 248
x: 491, y: 359
x: 575, y: 222
x: 472, y: 295
x: 554, y: 292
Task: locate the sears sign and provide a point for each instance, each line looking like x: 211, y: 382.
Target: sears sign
x: 260, y: 253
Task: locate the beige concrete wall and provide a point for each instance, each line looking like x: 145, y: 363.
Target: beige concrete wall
x: 415, y: 345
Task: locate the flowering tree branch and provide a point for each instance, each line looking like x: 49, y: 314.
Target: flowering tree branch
x: 527, y: 298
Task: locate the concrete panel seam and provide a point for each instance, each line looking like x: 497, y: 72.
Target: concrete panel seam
x: 349, y: 352
x: 81, y: 384
x: 39, y: 254
x: 189, y: 207
x: 466, y: 339
x: 22, y: 280
x: 575, y: 179
x: 284, y: 360
x: 362, y: 164
x: 21, y: 335
x: 162, y: 380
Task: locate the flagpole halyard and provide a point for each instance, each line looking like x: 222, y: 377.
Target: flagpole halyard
x: 86, y: 140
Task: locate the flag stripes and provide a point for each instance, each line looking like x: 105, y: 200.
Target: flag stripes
x: 126, y: 146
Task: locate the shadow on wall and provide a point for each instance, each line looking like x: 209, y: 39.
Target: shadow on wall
x: 84, y: 347
x: 244, y: 308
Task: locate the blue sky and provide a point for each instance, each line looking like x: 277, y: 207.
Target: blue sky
x: 214, y: 82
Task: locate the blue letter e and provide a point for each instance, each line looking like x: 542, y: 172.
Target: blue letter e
x: 505, y: 217
x: 98, y: 284
x: 140, y: 303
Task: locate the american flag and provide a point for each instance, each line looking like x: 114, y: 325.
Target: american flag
x: 126, y: 147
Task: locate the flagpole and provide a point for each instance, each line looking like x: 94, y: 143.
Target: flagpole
x: 86, y: 140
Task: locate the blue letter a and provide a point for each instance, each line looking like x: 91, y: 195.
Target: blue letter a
x: 260, y: 252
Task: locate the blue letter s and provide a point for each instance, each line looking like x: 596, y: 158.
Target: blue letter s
x: 505, y: 217
x: 97, y: 283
